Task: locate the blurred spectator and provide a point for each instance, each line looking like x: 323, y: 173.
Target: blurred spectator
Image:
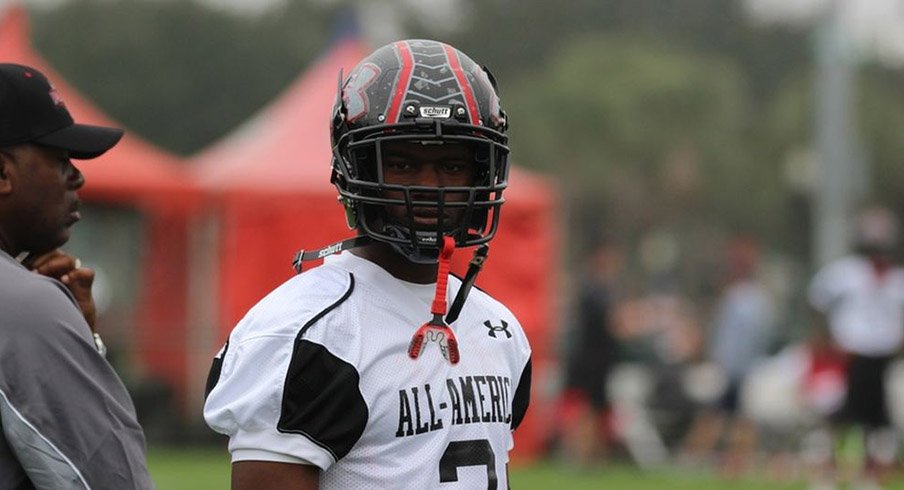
x: 741, y: 335
x: 590, y: 356
x: 659, y: 338
x: 860, y: 299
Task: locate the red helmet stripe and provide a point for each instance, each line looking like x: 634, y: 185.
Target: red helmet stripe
x: 470, y: 100
x: 402, y: 82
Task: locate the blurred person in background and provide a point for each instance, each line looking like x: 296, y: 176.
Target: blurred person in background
x: 659, y: 340
x: 742, y: 333
x: 859, y: 299
x: 67, y: 421
x: 592, y: 350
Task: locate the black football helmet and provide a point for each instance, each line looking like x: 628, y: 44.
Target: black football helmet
x: 428, y: 93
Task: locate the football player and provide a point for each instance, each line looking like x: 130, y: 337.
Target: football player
x: 377, y: 369
x: 858, y: 299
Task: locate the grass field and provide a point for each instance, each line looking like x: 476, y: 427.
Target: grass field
x: 208, y: 469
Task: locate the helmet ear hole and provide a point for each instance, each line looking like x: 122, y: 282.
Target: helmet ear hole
x: 336, y: 177
x: 351, y: 213
x: 491, y: 78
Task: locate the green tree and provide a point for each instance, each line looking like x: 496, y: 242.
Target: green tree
x: 654, y: 129
x: 176, y: 72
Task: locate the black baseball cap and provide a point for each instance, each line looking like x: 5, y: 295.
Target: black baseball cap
x: 32, y: 111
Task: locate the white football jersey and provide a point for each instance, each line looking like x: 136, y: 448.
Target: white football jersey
x: 865, y: 310
x: 318, y: 373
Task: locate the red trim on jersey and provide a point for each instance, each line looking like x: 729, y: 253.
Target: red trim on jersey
x: 455, y: 63
x: 402, y: 82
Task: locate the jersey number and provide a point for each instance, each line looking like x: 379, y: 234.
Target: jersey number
x: 468, y: 453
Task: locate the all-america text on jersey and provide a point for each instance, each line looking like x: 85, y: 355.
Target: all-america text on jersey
x: 471, y: 400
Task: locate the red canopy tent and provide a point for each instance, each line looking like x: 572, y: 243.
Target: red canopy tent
x: 138, y: 175
x: 270, y: 191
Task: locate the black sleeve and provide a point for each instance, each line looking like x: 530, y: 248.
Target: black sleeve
x: 522, y: 396
x: 321, y: 399
x: 216, y: 367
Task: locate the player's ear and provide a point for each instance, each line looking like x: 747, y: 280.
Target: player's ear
x: 6, y: 164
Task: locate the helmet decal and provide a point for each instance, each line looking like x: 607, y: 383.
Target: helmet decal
x: 431, y: 73
x: 407, y: 64
x: 463, y: 83
x: 355, y: 95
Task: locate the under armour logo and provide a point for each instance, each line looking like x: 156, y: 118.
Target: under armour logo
x: 493, y: 329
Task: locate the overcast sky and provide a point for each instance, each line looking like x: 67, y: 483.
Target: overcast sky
x: 236, y: 5
x: 446, y: 8
x: 382, y: 28
x: 875, y: 27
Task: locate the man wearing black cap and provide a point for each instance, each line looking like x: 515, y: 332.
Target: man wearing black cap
x: 67, y: 421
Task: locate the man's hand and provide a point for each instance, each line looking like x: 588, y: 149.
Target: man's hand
x: 68, y: 270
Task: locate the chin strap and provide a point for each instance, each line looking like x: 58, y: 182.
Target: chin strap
x: 304, y: 256
x: 480, y: 256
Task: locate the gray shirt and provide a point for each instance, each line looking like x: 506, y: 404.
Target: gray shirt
x: 67, y: 420
x: 744, y: 328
